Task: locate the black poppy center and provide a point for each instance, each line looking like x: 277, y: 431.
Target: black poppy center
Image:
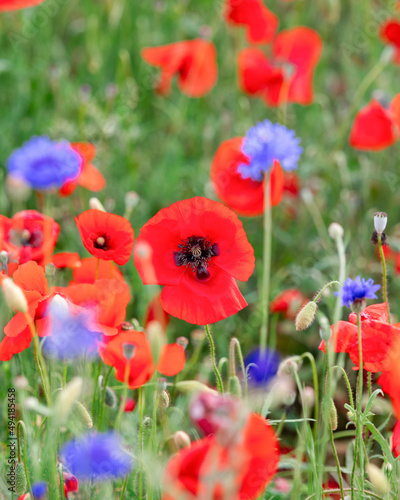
x: 196, y: 252
x: 101, y: 242
x: 26, y: 238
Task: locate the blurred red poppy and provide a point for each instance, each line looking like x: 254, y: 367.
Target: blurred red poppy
x: 396, y: 440
x: 261, y: 24
x: 197, y: 248
x: 65, y: 260
x: 288, y: 302
x: 288, y: 75
x: 141, y: 365
x: 194, y: 61
x: 390, y: 34
x: 30, y: 277
x: 89, y: 177
x: 107, y: 298
x: 106, y: 236
x: 155, y: 312
x: 29, y: 235
x: 238, y: 471
x: 373, y: 128
x: 90, y: 269
x: 245, y: 196
x: 6, y: 5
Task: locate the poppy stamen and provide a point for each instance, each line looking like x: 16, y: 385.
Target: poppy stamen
x: 100, y: 242
x: 196, y: 252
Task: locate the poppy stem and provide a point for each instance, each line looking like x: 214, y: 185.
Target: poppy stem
x: 359, y: 429
x: 216, y: 371
x: 21, y: 429
x: 384, y: 274
x: 265, y: 291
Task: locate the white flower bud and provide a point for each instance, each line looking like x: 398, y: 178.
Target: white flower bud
x: 335, y: 230
x: 181, y: 440
x: 95, y: 204
x: 306, y: 316
x: 380, y: 221
x: 15, y: 296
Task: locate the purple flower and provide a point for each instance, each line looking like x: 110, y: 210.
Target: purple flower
x: 70, y: 336
x: 265, y: 143
x: 39, y: 490
x: 96, y: 457
x: 356, y: 290
x: 261, y: 366
x: 44, y: 164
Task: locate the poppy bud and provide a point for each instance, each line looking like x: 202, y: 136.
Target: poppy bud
x: 181, y: 440
x: 183, y: 341
x: 95, y: 204
x: 3, y: 261
x: 20, y: 479
x: 335, y: 231
x: 306, y: 316
x: 50, y: 270
x: 197, y: 336
x: 164, y: 399
x: 378, y: 479
x: 187, y: 386
x: 67, y: 397
x: 309, y: 396
x: 234, y: 386
x: 110, y: 399
x: 289, y: 366
x: 21, y: 383
x: 15, y: 296
x: 131, y: 200
x: 380, y: 221
x: 332, y: 416
x: 80, y: 413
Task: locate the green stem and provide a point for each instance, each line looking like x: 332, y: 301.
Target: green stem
x: 316, y: 298
x: 216, y: 371
x: 123, y: 399
x: 234, y: 347
x: 21, y: 427
x: 359, y: 406
x: 141, y: 415
x: 339, y: 472
x: 39, y: 361
x: 266, y: 277
x: 316, y: 389
x: 384, y: 275
x: 103, y: 397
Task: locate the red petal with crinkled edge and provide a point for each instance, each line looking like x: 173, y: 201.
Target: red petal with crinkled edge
x: 206, y: 302
x: 239, y: 472
x: 259, y: 77
x: 6, y: 5
x: 261, y: 24
x: 90, y: 269
x: 396, y: 440
x: 301, y: 47
x: 390, y: 33
x: 14, y: 345
x: 172, y: 360
x: 194, y: 61
x: 377, y: 312
x: 372, y: 128
x: 31, y: 278
x: 244, y: 196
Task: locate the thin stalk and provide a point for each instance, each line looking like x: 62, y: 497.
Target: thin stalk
x: 234, y: 347
x: 316, y: 389
x: 123, y: 399
x: 384, y: 275
x: 266, y: 277
x: 339, y: 472
x: 21, y: 426
x: 39, y: 361
x: 141, y: 415
x: 359, y: 407
x: 216, y: 371
x: 103, y: 397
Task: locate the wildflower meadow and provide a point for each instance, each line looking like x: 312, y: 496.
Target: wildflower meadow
x: 199, y: 250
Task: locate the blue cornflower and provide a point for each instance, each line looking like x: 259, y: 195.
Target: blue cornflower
x: 39, y: 490
x: 70, y: 336
x: 356, y: 290
x: 263, y: 367
x: 96, y: 457
x: 265, y: 143
x: 44, y: 164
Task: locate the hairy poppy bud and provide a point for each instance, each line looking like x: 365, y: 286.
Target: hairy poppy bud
x: 110, y: 399
x: 95, y: 204
x: 183, y: 341
x: 164, y: 399
x: 80, y: 413
x: 181, y: 440
x: 332, y: 413
x: 289, y: 366
x: 335, y: 230
x: 67, y: 397
x: 15, y: 296
x: 20, y: 479
x: 306, y: 316
x: 234, y: 386
x: 378, y: 479
x: 187, y: 386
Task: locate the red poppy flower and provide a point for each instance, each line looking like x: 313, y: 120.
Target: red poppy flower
x: 245, y: 196
x: 289, y: 302
x: 288, y: 75
x: 90, y: 269
x: 390, y: 33
x: 106, y: 236
x: 194, y: 61
x: 29, y: 235
x: 261, y: 24
x: 6, y: 5
x: 396, y: 440
x: 30, y: 277
x: 373, y: 128
x: 141, y: 366
x: 89, y: 177
x: 196, y: 248
x: 108, y: 298
x: 155, y: 312
x: 66, y: 260
x: 130, y: 405
x: 240, y: 471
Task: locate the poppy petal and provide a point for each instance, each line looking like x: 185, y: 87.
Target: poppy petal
x: 396, y: 440
x: 390, y: 33
x: 31, y: 277
x: 14, y: 345
x: 6, y: 5
x: 172, y: 360
x: 65, y: 260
